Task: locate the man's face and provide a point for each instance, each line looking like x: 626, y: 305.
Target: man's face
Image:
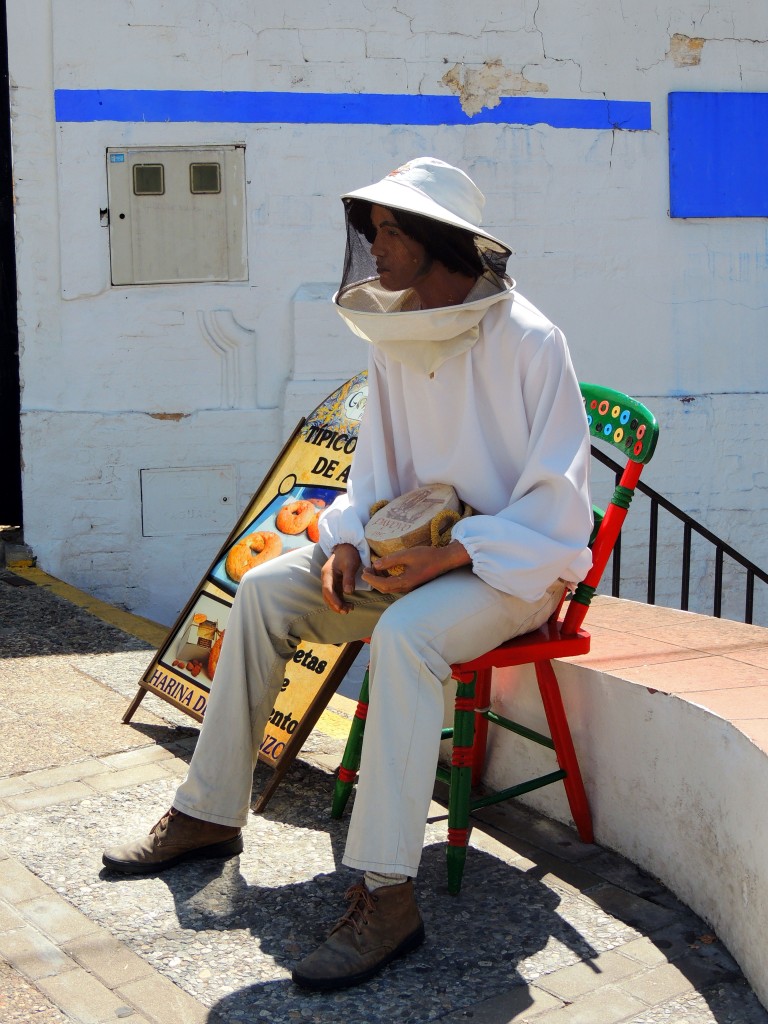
x: 401, y: 261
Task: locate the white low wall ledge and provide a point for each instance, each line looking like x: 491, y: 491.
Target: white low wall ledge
x: 669, y: 714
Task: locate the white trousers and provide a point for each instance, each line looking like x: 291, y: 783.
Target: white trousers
x: 414, y: 640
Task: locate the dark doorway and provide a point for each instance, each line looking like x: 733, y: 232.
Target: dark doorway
x: 10, y: 398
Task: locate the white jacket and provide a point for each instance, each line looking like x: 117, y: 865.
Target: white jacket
x: 502, y: 421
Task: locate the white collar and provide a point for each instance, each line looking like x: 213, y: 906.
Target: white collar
x: 422, y: 339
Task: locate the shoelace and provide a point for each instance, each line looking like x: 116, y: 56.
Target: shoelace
x: 162, y: 826
x: 362, y: 902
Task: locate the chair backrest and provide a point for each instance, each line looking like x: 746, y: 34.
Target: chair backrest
x: 631, y: 428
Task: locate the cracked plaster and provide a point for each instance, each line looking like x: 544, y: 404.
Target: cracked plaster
x: 484, y: 86
x: 685, y: 51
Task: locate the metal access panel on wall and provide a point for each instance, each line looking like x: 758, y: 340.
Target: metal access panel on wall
x: 177, y: 214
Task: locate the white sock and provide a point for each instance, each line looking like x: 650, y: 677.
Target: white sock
x: 376, y: 879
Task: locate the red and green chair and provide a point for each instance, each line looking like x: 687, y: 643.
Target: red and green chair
x: 629, y: 427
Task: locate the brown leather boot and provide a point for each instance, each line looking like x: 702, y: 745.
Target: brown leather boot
x: 175, y: 838
x: 377, y: 928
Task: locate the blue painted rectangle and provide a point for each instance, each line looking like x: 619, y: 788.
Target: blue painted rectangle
x: 718, y: 154
x: 160, y: 105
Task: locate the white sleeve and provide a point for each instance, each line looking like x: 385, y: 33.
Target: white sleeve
x: 343, y: 522
x: 542, y: 534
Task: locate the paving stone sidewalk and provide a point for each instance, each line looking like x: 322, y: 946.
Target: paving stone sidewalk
x: 546, y: 930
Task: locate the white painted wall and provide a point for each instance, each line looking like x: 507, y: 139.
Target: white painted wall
x: 665, y: 309
x: 671, y: 786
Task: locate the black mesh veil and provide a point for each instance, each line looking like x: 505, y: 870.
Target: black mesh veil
x: 359, y: 263
x: 457, y: 248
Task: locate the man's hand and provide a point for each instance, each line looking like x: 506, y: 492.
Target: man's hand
x: 421, y: 564
x: 338, y: 577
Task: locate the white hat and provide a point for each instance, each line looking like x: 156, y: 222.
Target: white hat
x: 432, y: 188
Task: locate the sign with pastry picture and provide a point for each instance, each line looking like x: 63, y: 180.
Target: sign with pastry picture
x: 308, y: 475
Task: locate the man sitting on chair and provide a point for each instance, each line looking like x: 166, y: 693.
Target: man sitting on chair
x: 468, y: 385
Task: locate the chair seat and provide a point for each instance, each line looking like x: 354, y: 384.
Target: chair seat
x: 542, y: 644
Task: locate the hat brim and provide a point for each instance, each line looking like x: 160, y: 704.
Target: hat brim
x: 396, y: 195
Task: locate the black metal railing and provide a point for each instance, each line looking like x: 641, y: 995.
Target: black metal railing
x: 690, y: 527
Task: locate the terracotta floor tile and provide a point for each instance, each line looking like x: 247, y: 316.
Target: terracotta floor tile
x: 752, y: 656
x: 616, y: 649
x: 697, y: 674
x: 702, y: 633
x: 756, y: 729
x: 688, y: 629
x: 747, y: 703
x: 620, y: 614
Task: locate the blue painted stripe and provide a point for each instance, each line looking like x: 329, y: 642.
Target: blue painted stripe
x: 340, y: 108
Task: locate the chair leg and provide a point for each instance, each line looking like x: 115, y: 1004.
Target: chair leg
x: 461, y: 782
x: 564, y: 749
x: 482, y: 701
x: 350, y: 761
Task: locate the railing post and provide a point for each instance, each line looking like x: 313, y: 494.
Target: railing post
x: 686, y: 581
x: 717, y: 609
x: 653, y: 540
x: 750, y: 605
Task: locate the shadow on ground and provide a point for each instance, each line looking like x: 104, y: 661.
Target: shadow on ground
x: 35, y: 622
x: 515, y: 920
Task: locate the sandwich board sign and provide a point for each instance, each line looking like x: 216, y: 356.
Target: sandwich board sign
x: 308, y: 474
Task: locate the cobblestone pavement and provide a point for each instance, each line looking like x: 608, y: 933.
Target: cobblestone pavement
x: 546, y: 929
